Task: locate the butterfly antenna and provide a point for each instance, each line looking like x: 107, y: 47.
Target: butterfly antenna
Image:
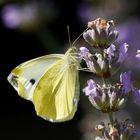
x: 79, y: 36
x: 68, y: 28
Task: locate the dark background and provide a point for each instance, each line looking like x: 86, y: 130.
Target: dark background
x: 18, y: 119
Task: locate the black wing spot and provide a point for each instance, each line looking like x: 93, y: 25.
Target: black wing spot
x: 32, y: 81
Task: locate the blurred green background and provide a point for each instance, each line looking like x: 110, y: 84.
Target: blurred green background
x: 31, y: 28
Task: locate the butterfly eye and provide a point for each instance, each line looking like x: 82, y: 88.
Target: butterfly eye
x: 32, y: 81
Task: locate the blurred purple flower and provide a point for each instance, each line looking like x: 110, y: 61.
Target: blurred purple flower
x: 138, y: 58
x: 130, y: 32
x: 85, y: 12
x: 125, y: 79
x: 11, y: 16
x: 27, y: 16
x: 127, y: 86
x: 89, y: 10
x: 123, y: 52
x: 136, y: 96
x: 15, y: 16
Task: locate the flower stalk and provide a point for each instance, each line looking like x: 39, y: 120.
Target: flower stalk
x: 110, y: 114
x: 108, y: 97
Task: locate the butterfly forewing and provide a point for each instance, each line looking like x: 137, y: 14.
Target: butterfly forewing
x: 25, y: 77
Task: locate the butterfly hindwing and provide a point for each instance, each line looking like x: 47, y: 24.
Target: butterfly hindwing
x: 57, y: 93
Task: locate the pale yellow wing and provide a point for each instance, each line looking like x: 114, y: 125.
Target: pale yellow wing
x: 57, y: 92
x: 25, y: 77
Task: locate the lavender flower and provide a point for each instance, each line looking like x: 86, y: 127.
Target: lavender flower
x: 120, y: 131
x: 105, y: 64
x: 92, y: 64
x: 27, y: 16
x: 108, y: 58
x: 127, y: 86
x: 130, y: 32
x: 123, y: 52
x: 136, y: 96
x: 125, y: 79
x: 112, y: 97
x: 11, y: 16
x: 110, y: 51
x: 101, y: 34
x: 106, y: 97
x: 23, y: 17
x: 104, y: 59
x: 118, y: 54
x: 91, y: 88
x: 138, y: 58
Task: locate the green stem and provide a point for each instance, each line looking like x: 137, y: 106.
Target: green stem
x: 104, y: 81
x: 102, y: 53
x: 121, y: 137
x: 102, y: 57
x: 110, y: 114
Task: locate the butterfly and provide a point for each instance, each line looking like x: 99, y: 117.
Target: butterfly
x: 51, y: 83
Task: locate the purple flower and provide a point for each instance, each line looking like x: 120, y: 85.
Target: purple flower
x: 15, y: 16
x: 136, y: 96
x: 113, y: 55
x: 89, y: 59
x: 130, y: 32
x: 85, y: 11
x: 112, y: 97
x: 122, y: 130
x: 110, y: 51
x: 123, y: 52
x: 138, y: 58
x: 27, y: 16
x: 127, y: 86
x: 84, y: 52
x: 95, y: 64
x: 90, y: 89
x: 116, y: 56
x: 107, y: 64
x: 101, y: 33
x: 11, y: 16
x: 125, y: 79
x: 105, y: 97
x: 91, y: 37
x: 87, y: 56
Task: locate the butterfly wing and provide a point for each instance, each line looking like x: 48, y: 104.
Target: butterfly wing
x: 57, y: 92
x: 25, y: 77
